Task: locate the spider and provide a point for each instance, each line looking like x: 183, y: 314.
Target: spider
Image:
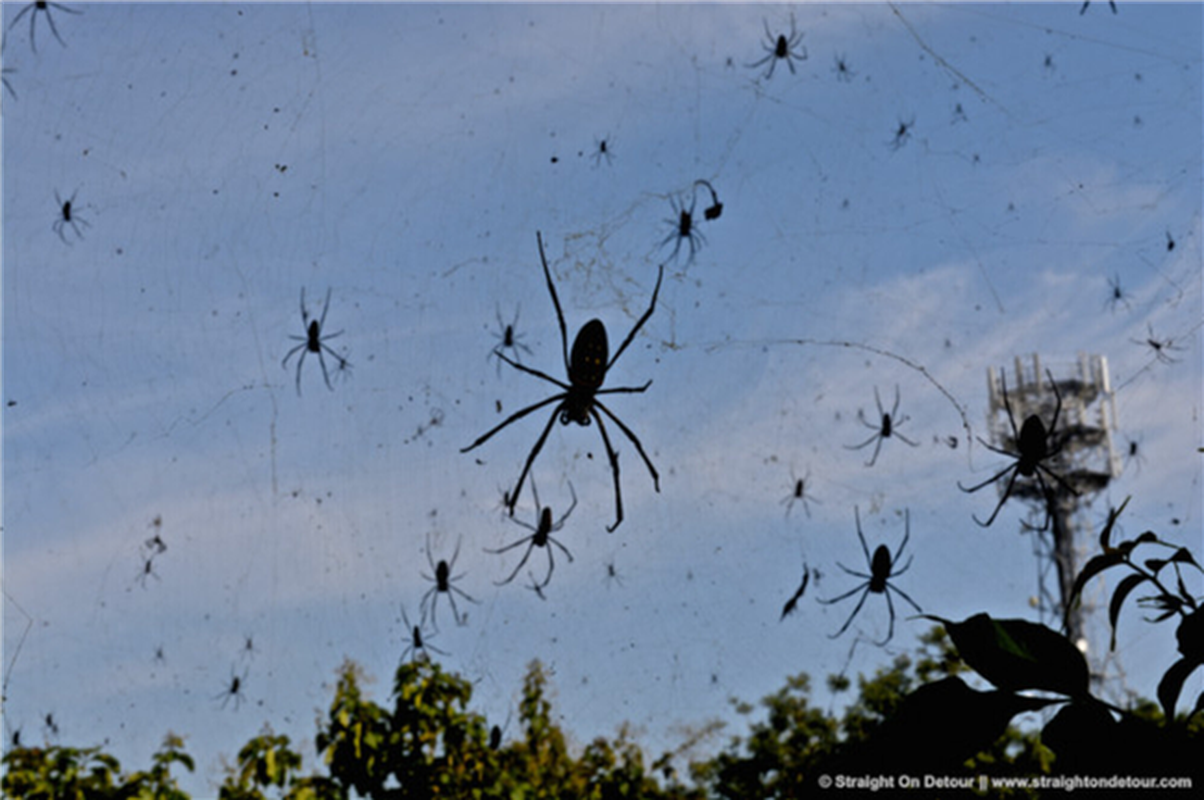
x: 508, y: 338
x: 444, y: 584
x: 798, y: 493
x: 1083, y: 10
x: 541, y: 536
x: 902, y: 134
x: 612, y: 574
x: 788, y: 609
x: 841, y: 68
x: 1162, y: 347
x: 1117, y: 295
x: 1033, y: 445
x: 314, y: 342
x: 1133, y: 454
x: 419, y: 644
x: 779, y: 48
x: 52, y: 727
x: 882, y: 569
x: 602, y: 151
x: 887, y: 428
x: 234, y: 690
x: 42, y: 7
x: 1170, y: 240
x: 147, y: 572
x: 248, y: 647
x: 68, y: 216
x: 683, y: 228
x: 578, y: 402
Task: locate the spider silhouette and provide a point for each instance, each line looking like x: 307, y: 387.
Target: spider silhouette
x: 314, y: 342
x: 1162, y: 348
x: 67, y: 215
x: 1117, y: 295
x: 444, y: 584
x: 788, y: 609
x: 147, y: 572
x: 902, y: 134
x: 1083, y: 10
x: 781, y: 48
x: 602, y: 152
x: 798, y: 494
x: 612, y: 574
x: 234, y: 690
x: 683, y: 228
x: 420, y: 643
x: 42, y: 7
x: 578, y: 401
x: 541, y: 536
x: 882, y: 568
x: 1033, y: 446
x: 1133, y: 454
x: 888, y: 427
x: 508, y: 338
x: 842, y: 70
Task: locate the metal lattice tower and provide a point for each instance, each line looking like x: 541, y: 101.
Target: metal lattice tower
x: 1088, y: 461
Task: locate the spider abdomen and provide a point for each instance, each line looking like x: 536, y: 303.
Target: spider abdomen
x: 1032, y: 445
x: 587, y: 366
x: 880, y: 568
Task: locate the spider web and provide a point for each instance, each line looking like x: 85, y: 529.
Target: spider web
x: 405, y: 157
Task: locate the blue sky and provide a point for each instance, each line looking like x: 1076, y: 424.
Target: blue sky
x: 224, y: 157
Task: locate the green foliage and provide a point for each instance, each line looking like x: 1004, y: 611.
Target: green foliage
x: 67, y: 773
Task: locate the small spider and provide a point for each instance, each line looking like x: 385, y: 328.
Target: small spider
x: 444, y: 584
x: 1133, y: 454
x: 52, y: 727
x: 419, y: 644
x: 781, y: 47
x: 508, y: 339
x: 160, y: 656
x: 882, y: 568
x: 682, y: 227
x: 1083, y: 10
x: 902, y: 134
x: 612, y: 574
x: 541, y: 536
x: 1033, y: 446
x: 68, y: 216
x: 42, y: 7
x: 1170, y: 241
x: 841, y: 68
x: 889, y: 426
x: 578, y: 401
x: 1117, y: 295
x: 314, y: 342
x: 798, y: 493
x: 147, y: 572
x: 248, y: 647
x: 234, y: 690
x: 602, y: 152
x: 788, y: 609
x: 1162, y: 348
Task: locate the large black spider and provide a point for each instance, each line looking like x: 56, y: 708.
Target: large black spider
x: 1033, y: 445
x: 889, y: 426
x: 42, y: 7
x: 1162, y: 348
x: 314, y: 341
x: 578, y: 402
x: 68, y: 216
x: 541, y: 536
x: 882, y: 569
x: 781, y: 47
x: 444, y: 584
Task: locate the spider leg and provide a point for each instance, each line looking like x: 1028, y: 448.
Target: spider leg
x: 529, y: 370
x: 890, y: 630
x: 300, y: 361
x: 510, y: 547
x: 853, y: 591
x: 1061, y: 481
x: 877, y: 449
x: 898, y: 435
x: 526, y: 555
x: 543, y: 437
x: 866, y: 442
x: 656, y: 481
x: 613, y: 457
x: 660, y: 274
x: 1006, y: 494
x: 864, y: 547
x: 564, y: 336
x: 991, y: 479
x: 325, y: 308
x: 562, y: 547
x: 325, y: 374
x: 517, y: 415
x: 463, y: 594
x: 860, y: 603
x: 903, y: 594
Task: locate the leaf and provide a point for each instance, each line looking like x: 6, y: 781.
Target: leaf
x: 1016, y: 654
x: 1191, y: 636
x: 1095, y: 566
x: 1172, y: 683
x: 1155, y: 564
x: 1106, y: 533
x: 1118, y: 598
